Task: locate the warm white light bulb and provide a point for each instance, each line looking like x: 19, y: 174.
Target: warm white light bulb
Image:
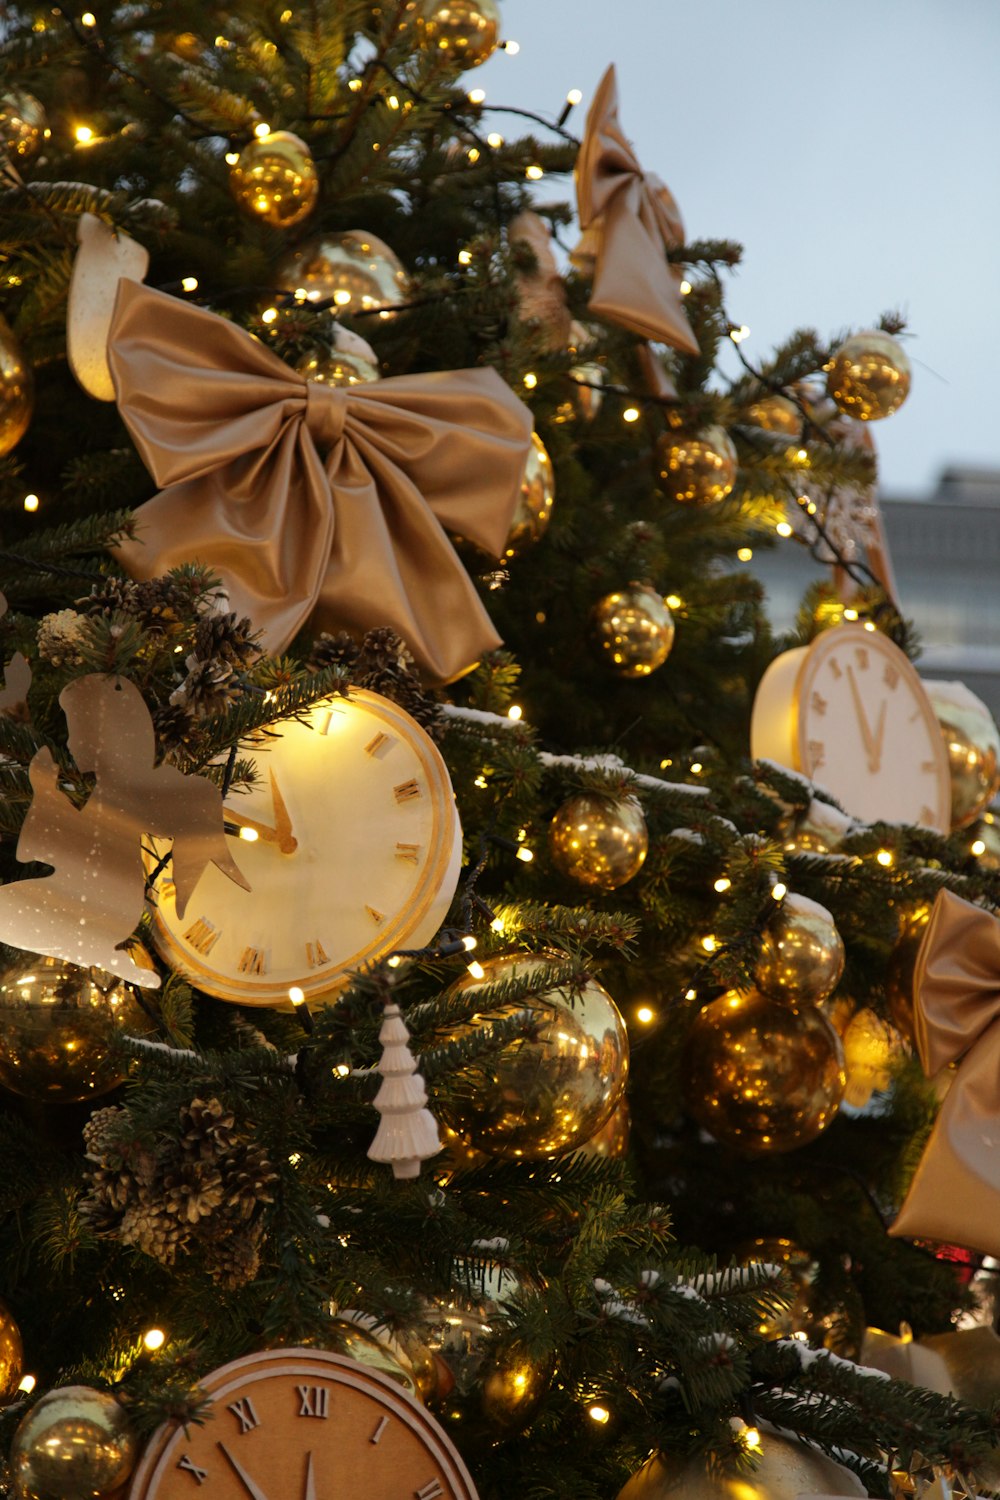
x: 154, y: 1338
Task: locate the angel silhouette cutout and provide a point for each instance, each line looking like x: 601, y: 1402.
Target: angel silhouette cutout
x: 17, y: 680
x: 91, y: 903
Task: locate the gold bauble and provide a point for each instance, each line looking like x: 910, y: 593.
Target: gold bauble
x: 761, y: 1075
x: 589, y: 379
x: 458, y: 1378
x: 75, y: 1444
x: 547, y: 1093
x: 360, y: 1338
x: 802, y: 953
x: 984, y: 837
x: 973, y: 743
x: 22, y: 124
x: 462, y: 33
x: 338, y: 367
x: 534, y: 506
x: 17, y: 390
x: 355, y: 270
x: 802, y: 1270
x: 819, y: 830
x: 869, y: 376
x: 899, y: 970
x: 634, y: 629
x: 11, y: 1354
x: 57, y: 1022
x: 275, y: 179
x: 784, y: 1470
x: 697, y: 470
x: 599, y: 840
x: 610, y: 1143
x: 872, y: 1050
x: 776, y: 414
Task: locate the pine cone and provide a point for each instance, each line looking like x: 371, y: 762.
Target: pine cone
x: 208, y: 1128
x: 151, y: 1229
x: 112, y: 596
x: 192, y: 1191
x: 385, y: 666
x: 174, y: 724
x: 226, y: 638
x: 99, y: 1131
x: 334, y: 651
x: 59, y: 637
x: 208, y: 688
x: 234, y: 1259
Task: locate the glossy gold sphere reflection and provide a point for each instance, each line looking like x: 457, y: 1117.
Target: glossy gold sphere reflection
x: 986, y: 833
x: 801, y: 954
x: 869, y: 376
x: 372, y: 1347
x: 462, y: 33
x: 354, y: 270
x: 634, y: 630
x: 802, y: 1269
x: 534, y: 506
x: 972, y: 741
x: 549, y: 1092
x: 784, y: 1470
x: 275, y: 179
x: 873, y: 1048
x: 900, y: 969
x: 57, y: 1023
x: 776, y: 414
x: 698, y: 470
x: 597, y: 840
x: 589, y: 376
x: 610, y: 1143
x: 761, y: 1075
x: 338, y: 368
x: 11, y: 1354
x: 75, y: 1443
x: 22, y: 124
x: 17, y: 390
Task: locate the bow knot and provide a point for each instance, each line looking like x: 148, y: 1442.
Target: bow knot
x: 326, y: 413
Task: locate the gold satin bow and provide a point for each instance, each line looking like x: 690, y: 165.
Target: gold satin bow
x: 629, y: 220
x: 311, y: 501
x: 955, y: 1194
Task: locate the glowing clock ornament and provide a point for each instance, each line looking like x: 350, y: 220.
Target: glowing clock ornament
x: 354, y: 851
x: 850, y: 712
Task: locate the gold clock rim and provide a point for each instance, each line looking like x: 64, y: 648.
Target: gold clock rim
x: 322, y: 1364
x: 445, y: 838
x: 810, y: 665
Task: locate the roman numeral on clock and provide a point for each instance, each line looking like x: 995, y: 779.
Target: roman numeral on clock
x: 202, y: 935
x: 378, y: 917
x: 253, y: 961
x: 314, y: 1401
x: 891, y: 675
x: 244, y: 1413
x: 380, y: 745
x: 316, y: 954
x: 406, y: 791
x: 409, y: 852
x: 430, y: 1491
x: 189, y: 1466
x: 376, y: 1436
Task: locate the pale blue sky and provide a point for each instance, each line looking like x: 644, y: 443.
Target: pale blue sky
x: 852, y: 147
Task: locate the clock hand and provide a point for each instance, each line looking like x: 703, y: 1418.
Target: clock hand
x: 879, y: 734
x: 287, y: 842
x: 310, y: 1492
x: 263, y: 830
x: 866, y: 734
x: 253, y: 1489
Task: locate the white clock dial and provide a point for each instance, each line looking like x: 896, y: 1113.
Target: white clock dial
x: 850, y: 713
x: 354, y: 850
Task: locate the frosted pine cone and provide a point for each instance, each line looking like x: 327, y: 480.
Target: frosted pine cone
x: 59, y: 638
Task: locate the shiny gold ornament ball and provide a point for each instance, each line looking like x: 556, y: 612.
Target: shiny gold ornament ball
x: 57, y: 1023
x: 537, y: 497
x: 356, y: 271
x: 11, y: 1354
x: 802, y: 953
x: 776, y: 414
x: 75, y: 1444
x: 462, y: 33
x: 802, y: 1270
x: 986, y: 834
x: 22, y: 124
x: 869, y: 376
x: 275, y: 179
x: 549, y: 1092
x: 589, y: 380
x: 17, y: 390
x: 698, y: 470
x: 359, y: 1338
x: 634, y: 630
x: 900, y: 969
x: 610, y: 1143
x: 873, y: 1048
x: 338, y: 368
x: 972, y: 741
x: 597, y: 840
x: 761, y: 1075
x: 785, y: 1469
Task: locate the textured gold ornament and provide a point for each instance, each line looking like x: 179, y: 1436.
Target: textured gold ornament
x: 11, y: 1354
x: 697, y: 470
x: 610, y: 1143
x: 785, y: 1470
x: 338, y: 367
x: 534, y: 507
x: 355, y: 270
x: 761, y: 1075
x: 872, y: 1050
x: 634, y: 629
x: 22, y: 124
x: 802, y: 953
x: 17, y: 390
x: 57, y: 1023
x: 75, y: 1444
x: 275, y: 179
x: 547, y: 1093
x: 973, y: 743
x: 462, y: 33
x: 869, y: 376
x: 776, y: 414
x: 803, y: 1270
x: 599, y: 840
x: 454, y: 1374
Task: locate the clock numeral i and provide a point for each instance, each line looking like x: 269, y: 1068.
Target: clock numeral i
x: 861, y: 653
x: 891, y: 675
x: 406, y: 791
x: 253, y: 961
x: 167, y: 889
x: 314, y: 1401
x: 835, y: 668
x: 818, y: 703
x: 430, y: 1491
x: 817, y: 754
x: 190, y: 1467
x: 408, y: 851
x: 376, y: 1436
x: 202, y: 935
x: 380, y: 745
x: 316, y: 954
x: 244, y: 1413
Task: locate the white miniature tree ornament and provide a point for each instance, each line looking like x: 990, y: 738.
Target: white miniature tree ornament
x: 407, y: 1132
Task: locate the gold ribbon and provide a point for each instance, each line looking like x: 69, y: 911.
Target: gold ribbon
x: 629, y: 220
x: 955, y: 1194
x: 310, y: 501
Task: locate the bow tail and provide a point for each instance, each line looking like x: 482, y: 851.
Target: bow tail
x: 633, y: 284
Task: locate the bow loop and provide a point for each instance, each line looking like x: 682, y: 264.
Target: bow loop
x: 326, y: 413
x: 957, y: 980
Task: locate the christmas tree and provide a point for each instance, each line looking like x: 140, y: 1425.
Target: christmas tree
x: 458, y: 961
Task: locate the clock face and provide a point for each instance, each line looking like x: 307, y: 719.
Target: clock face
x: 303, y: 1424
x: 351, y: 844
x: 850, y: 712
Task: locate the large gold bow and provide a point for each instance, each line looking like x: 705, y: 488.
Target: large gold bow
x: 629, y: 221
x: 955, y: 1195
x: 313, y: 501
